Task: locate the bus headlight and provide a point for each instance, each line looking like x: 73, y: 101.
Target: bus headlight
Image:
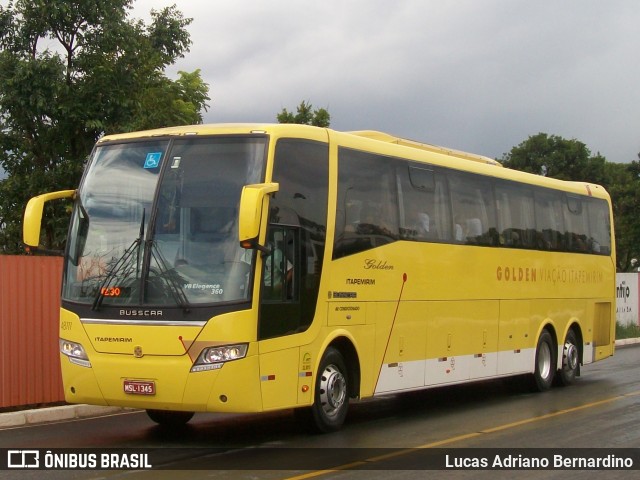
x: 75, y: 352
x: 212, y: 358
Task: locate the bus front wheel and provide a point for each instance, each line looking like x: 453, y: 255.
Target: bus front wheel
x: 331, y: 400
x: 545, y: 366
x: 168, y: 418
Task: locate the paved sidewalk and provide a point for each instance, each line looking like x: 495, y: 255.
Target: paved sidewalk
x: 69, y: 412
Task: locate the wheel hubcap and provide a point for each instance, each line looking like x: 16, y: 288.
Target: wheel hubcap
x: 544, y: 361
x: 570, y: 359
x: 333, y: 390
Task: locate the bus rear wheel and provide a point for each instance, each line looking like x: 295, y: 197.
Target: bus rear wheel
x: 545, y: 366
x: 570, y: 360
x: 169, y: 418
x: 331, y: 400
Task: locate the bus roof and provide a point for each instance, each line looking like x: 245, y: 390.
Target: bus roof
x: 210, y: 129
x: 385, y: 137
x: 480, y: 164
x: 371, y: 134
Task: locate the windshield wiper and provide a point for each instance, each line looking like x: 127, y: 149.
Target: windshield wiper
x: 123, y: 264
x: 169, y: 276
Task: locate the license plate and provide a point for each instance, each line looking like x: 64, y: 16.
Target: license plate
x: 139, y: 387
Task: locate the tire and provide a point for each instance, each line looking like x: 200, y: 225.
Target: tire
x: 570, y: 360
x: 331, y: 397
x: 169, y: 418
x: 545, y: 366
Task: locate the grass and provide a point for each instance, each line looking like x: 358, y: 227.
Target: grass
x: 627, y: 331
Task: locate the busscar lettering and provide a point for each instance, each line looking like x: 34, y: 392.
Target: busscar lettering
x: 140, y: 313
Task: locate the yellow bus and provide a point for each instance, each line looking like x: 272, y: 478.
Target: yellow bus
x: 251, y: 268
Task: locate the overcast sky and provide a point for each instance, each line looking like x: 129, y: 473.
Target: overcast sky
x: 477, y: 75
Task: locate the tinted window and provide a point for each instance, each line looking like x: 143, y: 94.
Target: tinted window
x: 549, y: 220
x: 599, y: 226
x: 297, y: 237
x: 474, y: 219
x: 425, y: 214
x: 576, y: 223
x: 516, y: 215
x: 383, y: 199
x: 367, y: 213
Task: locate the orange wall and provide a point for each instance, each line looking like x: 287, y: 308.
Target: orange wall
x: 29, y: 312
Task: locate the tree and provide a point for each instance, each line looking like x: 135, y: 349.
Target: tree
x: 556, y: 157
x: 305, y: 115
x: 167, y: 102
x: 71, y: 71
x: 623, y: 184
x: 571, y: 160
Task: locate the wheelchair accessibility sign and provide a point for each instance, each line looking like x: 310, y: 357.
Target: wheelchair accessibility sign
x: 153, y: 160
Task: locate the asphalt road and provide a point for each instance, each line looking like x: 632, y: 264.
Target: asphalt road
x: 382, y: 438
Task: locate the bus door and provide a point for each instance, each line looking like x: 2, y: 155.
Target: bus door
x: 292, y: 269
x: 280, y: 317
x: 280, y: 299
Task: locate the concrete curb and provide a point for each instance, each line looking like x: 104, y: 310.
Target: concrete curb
x: 54, y: 414
x: 69, y: 412
x: 627, y: 341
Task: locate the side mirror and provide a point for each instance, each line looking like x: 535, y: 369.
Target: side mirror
x: 33, y: 215
x: 252, y: 203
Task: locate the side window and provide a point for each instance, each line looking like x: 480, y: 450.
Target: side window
x: 367, y: 211
x: 424, y: 204
x: 599, y: 226
x: 473, y: 209
x: 576, y: 224
x: 296, y: 237
x: 281, y: 265
x: 549, y: 220
x: 516, y: 215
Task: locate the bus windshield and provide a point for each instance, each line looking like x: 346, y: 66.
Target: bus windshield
x: 156, y: 223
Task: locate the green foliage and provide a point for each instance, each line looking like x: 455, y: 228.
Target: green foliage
x: 627, y: 331
x: 71, y: 71
x: 623, y: 184
x: 167, y: 102
x: 572, y: 160
x: 305, y: 115
x: 561, y: 158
